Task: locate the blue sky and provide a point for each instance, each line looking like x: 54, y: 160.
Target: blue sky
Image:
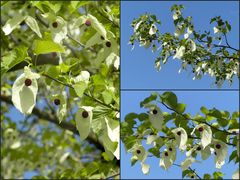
x: 137, y: 66
x: 194, y: 100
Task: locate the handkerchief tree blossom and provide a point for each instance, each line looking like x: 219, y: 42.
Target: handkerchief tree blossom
x: 188, y: 45
x: 174, y: 131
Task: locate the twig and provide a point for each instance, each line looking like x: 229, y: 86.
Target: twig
x: 95, y: 99
x: 189, y: 169
x: 116, y: 25
x: 216, y: 45
x: 186, y: 118
x: 117, y: 174
x: 43, y: 115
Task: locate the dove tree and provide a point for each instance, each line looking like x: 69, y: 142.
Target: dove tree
x: 155, y: 133
x: 55, y: 59
x: 201, y: 53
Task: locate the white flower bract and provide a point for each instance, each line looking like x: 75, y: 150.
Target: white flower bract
x: 24, y: 97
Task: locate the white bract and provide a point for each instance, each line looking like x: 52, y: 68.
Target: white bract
x: 168, y: 157
x: 91, y: 21
x: 221, y: 150
x: 114, y: 135
x: 189, y: 32
x: 205, y: 153
x: 179, y: 30
x: 83, y: 121
x: 187, y: 163
x: 205, y: 132
x: 12, y: 23
x: 215, y: 30
x: 153, y: 29
x: 236, y: 174
x: 176, y: 15
x: 83, y: 76
x: 57, y: 25
x: 62, y: 109
x: 155, y: 116
x: 139, y: 153
x: 137, y: 26
x: 24, y: 97
x: 179, y: 52
x: 181, y: 138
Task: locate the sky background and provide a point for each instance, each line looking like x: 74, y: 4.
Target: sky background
x: 194, y: 100
x: 137, y: 66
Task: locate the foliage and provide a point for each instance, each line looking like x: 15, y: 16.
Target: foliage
x: 162, y: 135
x: 69, y: 52
x: 204, y: 53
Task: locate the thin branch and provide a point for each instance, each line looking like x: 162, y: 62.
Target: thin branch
x: 95, y: 99
x: 189, y: 169
x: 216, y: 45
x: 114, y: 24
x: 43, y: 115
x: 117, y: 174
x: 186, y: 118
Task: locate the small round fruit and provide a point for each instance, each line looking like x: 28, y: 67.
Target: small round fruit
x: 88, y: 22
x: 154, y: 111
x: 84, y: 114
x: 218, y: 146
x: 200, y: 129
x: 55, y: 24
x: 166, y: 153
x: 28, y: 82
x: 199, y: 148
x: 138, y: 151
x: 108, y: 44
x: 179, y: 133
x: 170, y: 149
x: 57, y: 102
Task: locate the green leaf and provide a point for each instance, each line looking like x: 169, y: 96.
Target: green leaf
x: 180, y: 108
x: 170, y: 99
x: 207, y: 176
x: 222, y: 122
x: 13, y: 58
x: 149, y: 99
x: 155, y: 151
x: 213, y: 19
x: 107, y: 96
x: 215, y: 113
x: 129, y: 142
x: 80, y: 87
x: 46, y: 46
x: 32, y: 23
x: 217, y: 175
x: 232, y: 156
x: 204, y: 110
x: 185, y: 172
x: 53, y: 71
x: 133, y: 161
x: 12, y: 23
x: 143, y: 116
x: 228, y: 26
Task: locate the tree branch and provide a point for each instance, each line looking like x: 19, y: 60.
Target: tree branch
x: 53, y: 119
x: 68, y: 85
x: 186, y: 118
x: 189, y: 169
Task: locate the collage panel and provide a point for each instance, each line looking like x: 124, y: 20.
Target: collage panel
x: 180, y: 45
x: 179, y: 134
x: 60, y: 90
